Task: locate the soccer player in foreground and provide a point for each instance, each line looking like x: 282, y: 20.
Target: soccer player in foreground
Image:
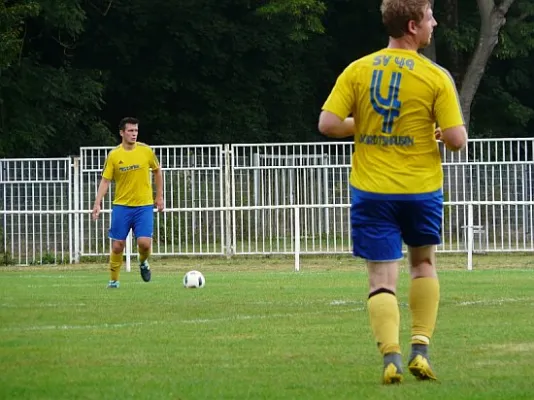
x: 396, y: 97
x: 129, y: 165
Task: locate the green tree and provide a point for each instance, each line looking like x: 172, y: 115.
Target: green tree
x: 229, y: 71
x: 48, y: 106
x: 503, y: 105
x: 492, y: 19
x: 199, y: 71
x: 484, y: 45
x: 12, y: 25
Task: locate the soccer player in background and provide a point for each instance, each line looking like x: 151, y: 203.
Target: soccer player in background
x: 395, y: 98
x: 129, y: 165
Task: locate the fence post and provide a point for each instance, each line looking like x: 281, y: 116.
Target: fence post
x: 470, y: 236
x: 257, y: 186
x: 297, y: 239
x: 75, y: 257
x: 128, y: 252
x: 297, y: 221
x: 228, y: 203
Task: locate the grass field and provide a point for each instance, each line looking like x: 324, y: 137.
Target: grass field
x: 257, y: 330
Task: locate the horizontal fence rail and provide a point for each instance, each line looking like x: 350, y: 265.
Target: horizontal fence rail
x: 257, y: 199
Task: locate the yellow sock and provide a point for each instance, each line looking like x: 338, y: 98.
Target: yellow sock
x: 385, y: 320
x: 115, y: 263
x: 143, y: 254
x: 424, y: 302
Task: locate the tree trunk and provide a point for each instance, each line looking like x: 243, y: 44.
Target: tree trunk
x: 492, y: 19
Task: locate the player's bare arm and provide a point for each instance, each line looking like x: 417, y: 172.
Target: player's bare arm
x: 334, y: 127
x: 454, y: 138
x: 102, y: 190
x: 158, y: 178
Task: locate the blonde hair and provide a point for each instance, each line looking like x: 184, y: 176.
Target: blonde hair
x: 397, y: 13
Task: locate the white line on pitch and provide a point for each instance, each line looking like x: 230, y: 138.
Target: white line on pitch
x: 233, y: 318
x: 42, y: 305
x: 186, y: 321
x: 490, y: 302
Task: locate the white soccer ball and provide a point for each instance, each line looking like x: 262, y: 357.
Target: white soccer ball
x: 194, y: 280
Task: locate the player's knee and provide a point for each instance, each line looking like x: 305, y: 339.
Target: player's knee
x: 382, y: 275
x: 117, y: 246
x: 424, y: 268
x: 144, y: 244
x: 425, y: 262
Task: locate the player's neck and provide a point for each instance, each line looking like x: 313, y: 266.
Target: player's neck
x: 404, y: 43
x: 128, y: 146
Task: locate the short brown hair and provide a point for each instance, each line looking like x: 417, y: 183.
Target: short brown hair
x: 127, y: 120
x: 397, y: 13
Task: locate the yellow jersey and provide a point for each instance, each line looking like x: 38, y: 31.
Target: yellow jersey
x: 396, y: 98
x: 130, y: 169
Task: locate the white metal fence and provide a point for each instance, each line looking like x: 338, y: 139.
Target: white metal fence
x: 257, y: 199
x: 36, y: 225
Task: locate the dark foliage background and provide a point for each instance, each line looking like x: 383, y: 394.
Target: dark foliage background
x: 225, y: 71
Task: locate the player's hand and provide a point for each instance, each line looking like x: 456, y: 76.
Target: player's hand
x: 160, y: 204
x: 96, y: 212
x: 437, y: 133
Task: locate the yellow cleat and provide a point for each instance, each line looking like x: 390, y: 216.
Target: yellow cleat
x: 421, y: 369
x: 392, y: 369
x: 392, y: 374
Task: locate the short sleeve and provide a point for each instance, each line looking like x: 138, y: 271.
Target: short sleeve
x: 153, y: 161
x: 107, y: 173
x: 341, y: 99
x: 447, y: 109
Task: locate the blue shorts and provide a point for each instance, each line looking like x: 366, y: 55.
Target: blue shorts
x: 124, y: 218
x: 380, y: 223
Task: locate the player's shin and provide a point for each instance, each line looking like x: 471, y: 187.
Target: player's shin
x: 424, y: 302
x: 144, y: 253
x: 385, y: 320
x: 115, y: 263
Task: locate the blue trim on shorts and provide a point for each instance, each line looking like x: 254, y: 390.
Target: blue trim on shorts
x: 401, y: 196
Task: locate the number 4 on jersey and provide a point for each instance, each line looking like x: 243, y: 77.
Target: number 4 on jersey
x: 389, y: 107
